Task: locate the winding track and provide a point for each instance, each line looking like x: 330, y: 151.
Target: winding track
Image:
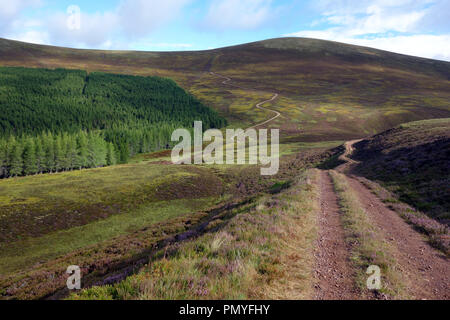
x: 259, y: 105
x: 426, y: 269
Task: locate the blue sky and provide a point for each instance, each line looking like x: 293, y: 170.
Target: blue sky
x: 420, y: 28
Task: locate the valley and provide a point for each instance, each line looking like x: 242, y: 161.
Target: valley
x: 362, y: 179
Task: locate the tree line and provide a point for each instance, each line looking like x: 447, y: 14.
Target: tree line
x: 60, y: 120
x: 37, y: 100
x: 49, y: 153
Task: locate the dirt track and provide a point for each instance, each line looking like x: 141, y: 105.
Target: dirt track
x: 348, y: 162
x: 259, y: 105
x: 427, y: 270
x: 333, y: 273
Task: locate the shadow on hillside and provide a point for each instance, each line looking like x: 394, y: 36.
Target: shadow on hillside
x: 419, y: 175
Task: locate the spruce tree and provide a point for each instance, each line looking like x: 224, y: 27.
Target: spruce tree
x: 16, y: 161
x: 40, y: 155
x: 49, y: 149
x: 3, y: 160
x: 58, y: 152
x: 110, y: 155
x: 81, y: 160
x: 72, y: 152
x: 96, y: 150
x: 29, y: 157
x: 65, y: 157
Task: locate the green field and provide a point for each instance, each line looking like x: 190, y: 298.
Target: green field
x: 108, y: 217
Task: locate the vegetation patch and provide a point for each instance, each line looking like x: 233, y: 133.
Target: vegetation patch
x: 46, y: 113
x: 438, y: 234
x: 412, y: 162
x: 334, y: 161
x: 248, y: 254
x: 367, y: 245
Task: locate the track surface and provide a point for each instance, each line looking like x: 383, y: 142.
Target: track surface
x: 333, y: 273
x: 259, y: 105
x: 427, y: 270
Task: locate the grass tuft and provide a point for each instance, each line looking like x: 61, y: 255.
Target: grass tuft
x: 263, y: 250
x: 368, y: 247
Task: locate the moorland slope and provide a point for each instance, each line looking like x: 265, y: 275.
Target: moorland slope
x: 328, y: 90
x: 413, y: 161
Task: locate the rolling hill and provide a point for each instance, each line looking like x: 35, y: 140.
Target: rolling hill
x: 147, y: 229
x: 328, y: 90
x: 413, y: 161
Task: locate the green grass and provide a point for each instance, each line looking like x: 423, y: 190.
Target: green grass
x: 37, y: 205
x: 367, y: 245
x: 249, y: 255
x: 59, y: 243
x: 107, y: 219
x: 46, y: 216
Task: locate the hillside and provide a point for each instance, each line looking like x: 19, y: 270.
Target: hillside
x: 147, y: 229
x: 328, y: 91
x: 37, y: 100
x: 317, y: 238
x: 113, y: 219
x: 46, y: 114
x: 412, y: 160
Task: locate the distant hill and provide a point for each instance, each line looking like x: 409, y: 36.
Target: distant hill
x: 328, y: 90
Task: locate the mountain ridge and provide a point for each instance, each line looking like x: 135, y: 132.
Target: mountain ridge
x: 328, y: 91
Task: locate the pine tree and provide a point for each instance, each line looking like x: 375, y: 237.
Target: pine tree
x: 124, y: 154
x: 3, y: 158
x: 110, y: 155
x: 71, y: 152
x: 82, y: 150
x: 40, y: 155
x: 16, y: 161
x: 49, y: 149
x: 65, y: 158
x: 29, y: 157
x: 58, y: 152
x: 96, y: 150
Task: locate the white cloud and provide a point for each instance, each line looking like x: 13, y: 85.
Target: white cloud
x: 428, y: 46
x: 160, y: 46
x: 10, y: 8
x: 37, y: 37
x: 238, y: 14
x: 394, y: 25
x: 171, y: 45
x: 351, y: 7
x: 133, y: 19
x: 437, y: 17
x: 380, y: 20
x: 10, y: 11
x: 421, y: 45
x: 95, y: 29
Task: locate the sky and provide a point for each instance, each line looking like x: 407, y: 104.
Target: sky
x: 419, y: 28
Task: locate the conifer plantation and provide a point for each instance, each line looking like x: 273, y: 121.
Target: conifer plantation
x: 60, y: 120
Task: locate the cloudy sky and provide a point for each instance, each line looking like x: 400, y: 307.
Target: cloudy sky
x: 416, y: 27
